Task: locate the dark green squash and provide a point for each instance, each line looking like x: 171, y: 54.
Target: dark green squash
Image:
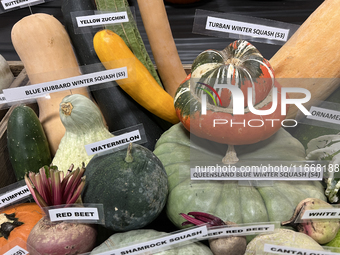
x: 130, y: 183
x: 118, y: 108
x: 178, y: 151
x: 27, y: 144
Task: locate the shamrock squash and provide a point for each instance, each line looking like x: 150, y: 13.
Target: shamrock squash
x: 179, y: 150
x: 240, y: 89
x: 17, y: 222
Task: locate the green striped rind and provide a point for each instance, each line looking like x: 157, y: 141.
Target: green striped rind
x: 227, y: 199
x: 185, y: 103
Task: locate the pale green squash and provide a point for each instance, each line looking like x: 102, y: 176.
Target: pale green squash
x: 84, y: 125
x: 143, y: 235
x: 227, y: 199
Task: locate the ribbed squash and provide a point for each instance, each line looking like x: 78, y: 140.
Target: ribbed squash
x: 242, y: 66
x: 227, y: 199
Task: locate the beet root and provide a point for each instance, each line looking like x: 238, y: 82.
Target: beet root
x: 61, y: 238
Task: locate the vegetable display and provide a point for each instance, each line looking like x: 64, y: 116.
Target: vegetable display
x: 227, y: 199
x: 295, y: 62
x: 44, y: 48
x: 132, y: 185
x: 164, y: 51
x: 17, y: 221
x: 27, y: 144
x: 84, y: 125
x: 140, y: 85
x: 240, y: 66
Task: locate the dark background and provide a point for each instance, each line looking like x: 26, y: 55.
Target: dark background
x: 181, y: 18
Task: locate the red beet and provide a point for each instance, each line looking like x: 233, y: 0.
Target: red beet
x: 61, y: 238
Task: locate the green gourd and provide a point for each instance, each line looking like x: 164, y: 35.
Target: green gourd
x: 27, y: 144
x: 84, y: 125
x: 178, y: 150
x: 132, y: 185
x: 143, y: 235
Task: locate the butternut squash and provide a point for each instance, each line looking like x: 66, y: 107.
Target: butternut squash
x: 311, y: 56
x: 163, y: 47
x: 44, y: 47
x: 140, y: 84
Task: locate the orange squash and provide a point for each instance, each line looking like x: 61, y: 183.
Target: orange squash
x: 18, y: 220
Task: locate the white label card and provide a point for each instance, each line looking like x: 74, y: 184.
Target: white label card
x: 329, y: 213
x: 16, y: 250
x: 14, y: 195
x: 245, y: 28
x: 74, y: 213
x: 325, y: 115
x: 278, y: 249
x: 9, y: 4
x: 243, y: 231
x: 160, y: 243
x: 102, y: 19
x: 113, y: 142
x: 38, y: 90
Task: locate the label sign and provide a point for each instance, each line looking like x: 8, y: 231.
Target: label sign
x: 113, y: 142
x: 14, y: 195
x: 278, y: 249
x: 160, y: 243
x: 324, y: 115
x: 330, y: 213
x: 16, y: 250
x: 244, y: 230
x: 37, y: 90
x: 102, y: 19
x: 261, y: 172
x: 248, y: 29
x: 74, y: 213
x: 9, y: 4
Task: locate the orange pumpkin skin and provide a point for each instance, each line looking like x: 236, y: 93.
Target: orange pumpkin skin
x: 29, y: 214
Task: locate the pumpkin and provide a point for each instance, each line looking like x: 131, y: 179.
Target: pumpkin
x: 119, y: 240
x: 241, y: 66
x: 44, y: 47
x: 178, y: 151
x: 131, y: 184
x: 17, y: 222
x: 84, y: 125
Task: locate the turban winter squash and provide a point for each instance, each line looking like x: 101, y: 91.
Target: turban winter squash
x: 236, y: 76
x: 17, y: 222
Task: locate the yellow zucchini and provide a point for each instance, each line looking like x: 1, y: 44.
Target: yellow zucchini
x: 140, y: 84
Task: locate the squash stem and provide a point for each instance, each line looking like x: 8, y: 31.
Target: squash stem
x: 230, y: 156
x: 129, y: 157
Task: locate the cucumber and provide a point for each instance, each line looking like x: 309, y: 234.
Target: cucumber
x: 27, y: 144
x: 304, y: 132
